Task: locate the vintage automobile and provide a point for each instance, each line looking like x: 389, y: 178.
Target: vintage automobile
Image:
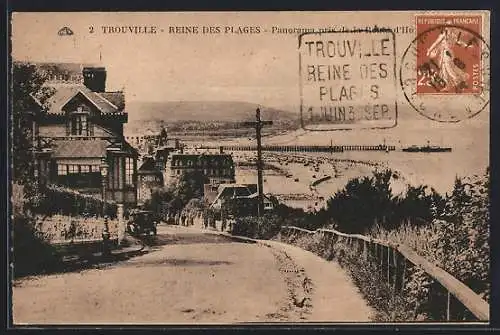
x: 142, y: 222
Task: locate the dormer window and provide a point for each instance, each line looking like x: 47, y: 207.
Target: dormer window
x: 79, y: 125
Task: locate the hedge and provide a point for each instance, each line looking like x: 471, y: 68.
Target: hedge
x: 58, y: 200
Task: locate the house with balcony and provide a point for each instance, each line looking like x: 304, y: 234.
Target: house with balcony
x: 82, y: 129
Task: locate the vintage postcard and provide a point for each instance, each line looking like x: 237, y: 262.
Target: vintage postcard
x: 250, y: 167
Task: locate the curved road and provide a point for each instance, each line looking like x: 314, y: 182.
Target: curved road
x: 193, y: 276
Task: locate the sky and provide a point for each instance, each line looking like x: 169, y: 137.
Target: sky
x: 165, y: 66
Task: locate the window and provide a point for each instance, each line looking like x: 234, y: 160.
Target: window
x: 85, y: 168
x: 129, y: 171
x: 62, y: 169
x: 72, y: 168
x: 79, y: 125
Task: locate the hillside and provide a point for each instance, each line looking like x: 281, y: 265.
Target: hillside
x: 172, y: 111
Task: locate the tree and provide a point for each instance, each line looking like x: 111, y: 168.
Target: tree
x: 462, y: 242
x: 29, y: 98
x: 419, y: 205
x: 457, y: 201
x: 177, y: 196
x: 363, y: 201
x: 190, y: 186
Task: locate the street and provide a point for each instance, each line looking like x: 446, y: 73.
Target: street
x: 194, y: 276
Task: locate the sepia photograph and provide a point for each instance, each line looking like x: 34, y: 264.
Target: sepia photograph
x: 242, y: 168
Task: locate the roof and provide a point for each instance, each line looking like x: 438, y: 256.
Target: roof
x: 256, y: 195
x: 204, y: 157
x: 222, y: 185
x: 128, y: 147
x: 116, y: 98
x: 201, y: 160
x: 233, y: 190
x: 86, y: 148
x: 135, y: 211
x: 65, y: 94
x: 148, y: 165
x: 72, y: 148
x: 63, y: 67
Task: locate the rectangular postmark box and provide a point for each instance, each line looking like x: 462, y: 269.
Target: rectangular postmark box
x: 348, y: 80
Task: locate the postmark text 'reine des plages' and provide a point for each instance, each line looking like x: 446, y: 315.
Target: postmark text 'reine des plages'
x: 347, y: 80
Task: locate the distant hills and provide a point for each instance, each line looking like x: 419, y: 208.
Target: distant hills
x: 227, y: 111
x: 214, y: 115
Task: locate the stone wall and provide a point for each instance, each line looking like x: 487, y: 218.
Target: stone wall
x: 58, y: 228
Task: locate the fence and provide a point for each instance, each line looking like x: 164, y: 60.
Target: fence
x: 450, y: 298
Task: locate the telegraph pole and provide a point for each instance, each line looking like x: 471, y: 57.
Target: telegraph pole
x: 258, y: 124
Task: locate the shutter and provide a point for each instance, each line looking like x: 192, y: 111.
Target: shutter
x: 90, y: 126
x: 68, y: 127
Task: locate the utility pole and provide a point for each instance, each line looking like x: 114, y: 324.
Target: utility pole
x: 258, y: 124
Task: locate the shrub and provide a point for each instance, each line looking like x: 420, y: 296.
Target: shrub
x: 265, y: 227
x: 31, y: 253
x: 50, y: 200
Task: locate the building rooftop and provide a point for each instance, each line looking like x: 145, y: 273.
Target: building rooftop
x: 148, y: 166
x: 204, y: 154
x: 64, y: 94
x: 73, y: 149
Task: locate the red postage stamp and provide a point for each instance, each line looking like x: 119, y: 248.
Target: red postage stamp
x: 449, y: 54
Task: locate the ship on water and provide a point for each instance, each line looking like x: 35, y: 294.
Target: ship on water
x: 426, y: 148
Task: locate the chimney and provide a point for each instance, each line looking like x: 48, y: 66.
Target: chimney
x: 94, y: 78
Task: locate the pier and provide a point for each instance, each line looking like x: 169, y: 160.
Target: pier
x: 305, y: 148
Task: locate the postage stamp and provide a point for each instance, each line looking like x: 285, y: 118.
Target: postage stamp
x: 445, y: 71
x: 348, y: 79
x: 449, y: 58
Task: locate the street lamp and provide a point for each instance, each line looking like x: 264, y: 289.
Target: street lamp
x: 105, y: 234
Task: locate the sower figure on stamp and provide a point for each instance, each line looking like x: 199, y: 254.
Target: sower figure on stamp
x: 451, y: 69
